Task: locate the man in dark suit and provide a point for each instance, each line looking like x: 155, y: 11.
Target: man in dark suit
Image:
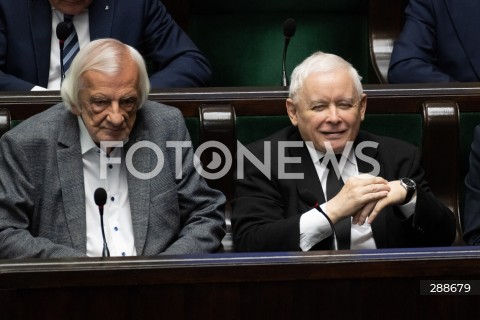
x: 385, y: 201
x: 105, y: 135
x: 471, y: 214
x: 438, y: 43
x: 30, y: 51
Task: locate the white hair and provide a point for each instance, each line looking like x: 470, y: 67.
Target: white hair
x: 322, y: 62
x: 105, y: 56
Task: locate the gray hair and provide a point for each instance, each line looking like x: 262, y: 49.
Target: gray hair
x: 322, y: 62
x: 105, y: 56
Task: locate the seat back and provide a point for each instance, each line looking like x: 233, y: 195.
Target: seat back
x: 385, y: 19
x: 244, y: 39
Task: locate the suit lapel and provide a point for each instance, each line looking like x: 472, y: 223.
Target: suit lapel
x: 102, y: 13
x: 39, y: 12
x: 139, y: 189
x: 466, y: 23
x: 364, y: 160
x: 70, y: 168
x: 310, y: 179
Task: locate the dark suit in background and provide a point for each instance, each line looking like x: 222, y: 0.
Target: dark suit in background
x: 26, y: 31
x: 266, y: 213
x: 471, y: 214
x: 438, y: 43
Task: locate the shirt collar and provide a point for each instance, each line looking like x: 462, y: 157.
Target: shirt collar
x: 317, y: 155
x: 86, y: 141
x: 59, y: 14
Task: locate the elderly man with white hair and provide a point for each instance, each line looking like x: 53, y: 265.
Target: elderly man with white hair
x: 105, y: 136
x: 369, y: 191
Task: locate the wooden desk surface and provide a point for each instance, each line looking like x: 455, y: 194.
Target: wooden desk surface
x: 355, y: 284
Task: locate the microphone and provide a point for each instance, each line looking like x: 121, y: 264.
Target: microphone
x: 309, y: 198
x: 289, y: 27
x: 62, y: 35
x: 100, y: 197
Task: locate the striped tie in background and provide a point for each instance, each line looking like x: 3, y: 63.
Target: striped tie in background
x: 71, y: 46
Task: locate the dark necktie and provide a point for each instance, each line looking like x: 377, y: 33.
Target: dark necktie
x: 342, y: 227
x: 71, y: 45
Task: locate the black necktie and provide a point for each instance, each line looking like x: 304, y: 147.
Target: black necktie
x: 71, y: 45
x: 342, y: 227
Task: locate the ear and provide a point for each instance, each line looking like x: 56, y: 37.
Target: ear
x: 363, y: 106
x: 292, y: 111
x: 75, y: 110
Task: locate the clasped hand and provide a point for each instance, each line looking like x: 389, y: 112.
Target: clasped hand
x: 364, y: 196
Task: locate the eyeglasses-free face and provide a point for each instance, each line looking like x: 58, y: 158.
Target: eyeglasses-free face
x: 328, y: 109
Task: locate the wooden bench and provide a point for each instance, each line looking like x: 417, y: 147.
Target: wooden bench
x: 427, y: 116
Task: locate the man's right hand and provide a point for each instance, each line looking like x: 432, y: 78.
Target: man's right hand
x: 358, y: 194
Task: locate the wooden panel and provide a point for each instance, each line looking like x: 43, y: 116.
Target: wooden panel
x: 241, y: 286
x: 382, y: 98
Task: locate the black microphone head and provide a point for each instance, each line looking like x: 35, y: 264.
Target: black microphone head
x: 100, y: 197
x: 308, y: 197
x: 62, y: 31
x: 289, y: 27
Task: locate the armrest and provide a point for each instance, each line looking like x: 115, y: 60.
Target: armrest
x: 218, y: 124
x: 4, y: 120
x: 441, y: 154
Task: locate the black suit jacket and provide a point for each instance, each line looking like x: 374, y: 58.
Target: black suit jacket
x: 471, y: 212
x: 266, y: 212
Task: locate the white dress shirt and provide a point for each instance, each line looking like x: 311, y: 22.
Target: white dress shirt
x: 314, y: 227
x: 81, y: 24
x: 116, y: 214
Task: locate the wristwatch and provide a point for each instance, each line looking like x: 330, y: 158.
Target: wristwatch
x: 410, y: 186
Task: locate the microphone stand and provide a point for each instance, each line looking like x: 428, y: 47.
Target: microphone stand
x: 289, y: 27
x: 62, y: 35
x: 105, y: 252
x: 332, y: 226
x: 309, y: 198
x: 284, y: 59
x: 62, y: 68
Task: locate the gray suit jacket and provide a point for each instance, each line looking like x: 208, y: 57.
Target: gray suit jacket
x: 42, y: 195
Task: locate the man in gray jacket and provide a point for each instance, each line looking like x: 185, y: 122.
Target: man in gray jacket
x: 105, y: 135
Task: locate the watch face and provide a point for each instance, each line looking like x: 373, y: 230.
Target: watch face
x: 408, y: 182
